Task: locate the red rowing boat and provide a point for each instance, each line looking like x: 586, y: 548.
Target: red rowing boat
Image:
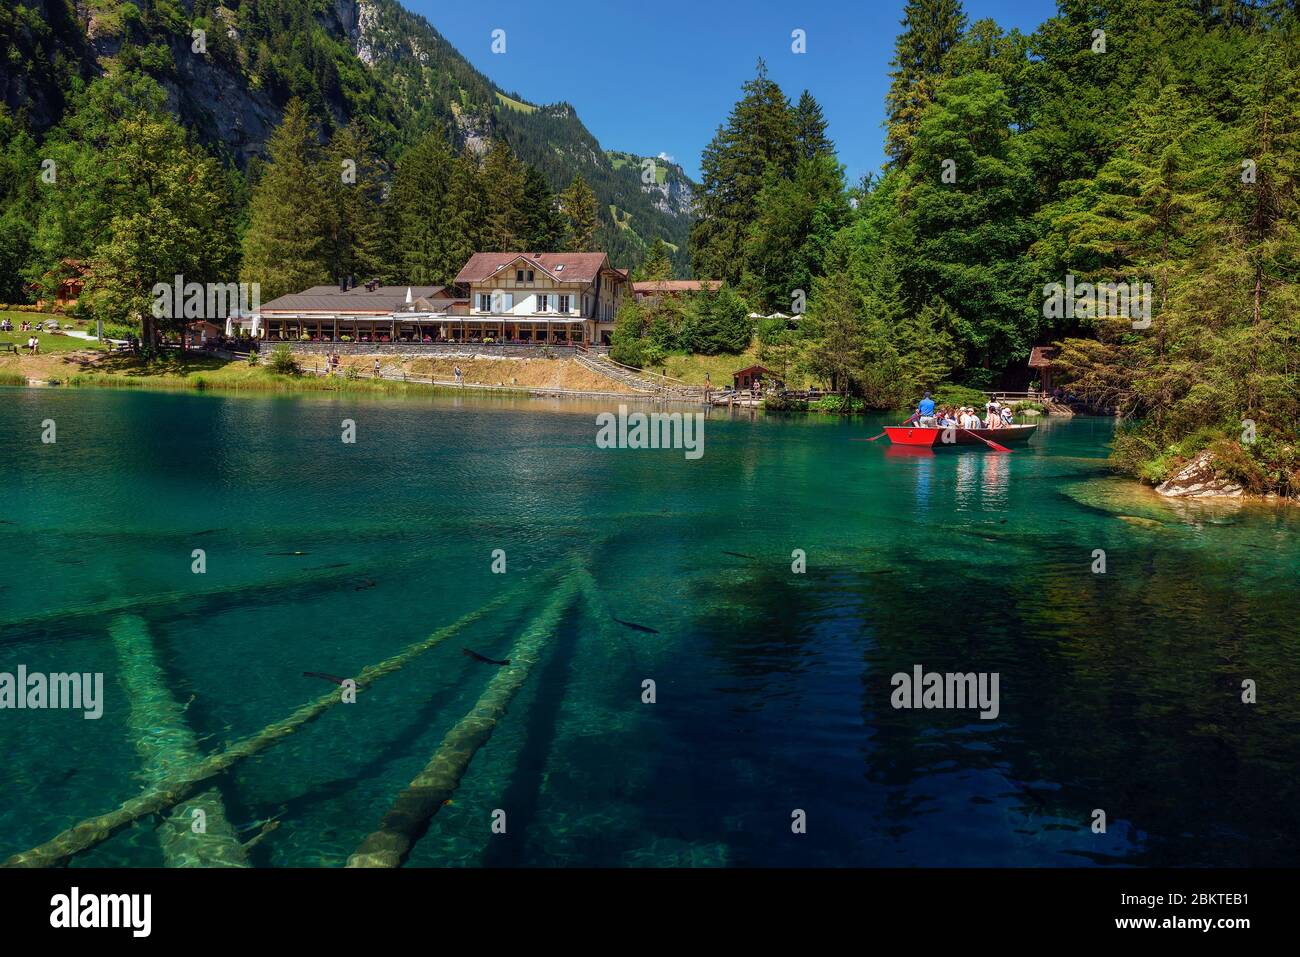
x: 941, y: 437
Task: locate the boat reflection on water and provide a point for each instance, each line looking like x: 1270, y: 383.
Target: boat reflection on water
x: 909, y: 452
x: 982, y: 478
x: 995, y: 480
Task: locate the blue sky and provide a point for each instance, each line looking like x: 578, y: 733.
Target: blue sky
x: 660, y: 77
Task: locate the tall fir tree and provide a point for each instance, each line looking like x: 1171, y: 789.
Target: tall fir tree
x: 353, y: 191
x: 541, y: 221
x: 759, y: 142
x: 930, y: 29
x: 581, y: 215
x: 286, y: 243
x: 657, y: 265
x: 420, y: 214
x: 810, y: 128
x: 468, y: 210
x: 504, y: 185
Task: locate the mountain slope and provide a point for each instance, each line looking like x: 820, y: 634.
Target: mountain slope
x: 348, y: 59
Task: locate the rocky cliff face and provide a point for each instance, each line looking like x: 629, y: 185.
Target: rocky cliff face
x: 406, y: 79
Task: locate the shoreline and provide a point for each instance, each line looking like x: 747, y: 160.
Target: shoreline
x: 312, y: 383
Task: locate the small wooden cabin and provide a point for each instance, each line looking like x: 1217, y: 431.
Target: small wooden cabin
x: 1041, y: 358
x: 745, y: 379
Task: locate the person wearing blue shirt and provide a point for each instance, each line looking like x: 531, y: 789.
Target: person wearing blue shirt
x: 926, y: 411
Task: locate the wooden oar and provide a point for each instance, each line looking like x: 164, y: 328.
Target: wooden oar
x: 883, y: 434
x: 991, y: 444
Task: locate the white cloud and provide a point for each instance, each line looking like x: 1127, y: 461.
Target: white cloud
x: 667, y: 158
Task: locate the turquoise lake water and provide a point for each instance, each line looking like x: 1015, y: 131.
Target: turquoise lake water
x: 1119, y: 691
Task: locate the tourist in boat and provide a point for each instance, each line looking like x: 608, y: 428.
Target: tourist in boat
x: 1006, y: 416
x: 925, y: 409
x: 992, y: 419
x: 968, y: 418
x: 947, y: 418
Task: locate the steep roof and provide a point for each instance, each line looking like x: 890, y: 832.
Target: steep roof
x: 1042, y: 356
x: 383, y: 299
x: 562, y: 267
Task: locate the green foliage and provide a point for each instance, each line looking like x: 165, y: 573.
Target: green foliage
x: 581, y: 216
x: 282, y: 361
x: 959, y: 395
x: 1200, y: 197
x: 352, y: 188
x: 424, y: 216
x: 657, y: 264
x: 837, y: 404
x: 710, y: 322
x: 285, y: 247
x: 970, y: 230
x: 758, y: 144
x: 774, y: 402
x: 931, y: 28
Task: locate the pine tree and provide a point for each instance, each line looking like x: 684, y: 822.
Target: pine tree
x: 810, y: 128
x: 758, y: 144
x: 930, y: 29
x: 353, y: 189
x: 463, y: 228
x: 504, y: 185
x: 541, y: 222
x: 657, y: 266
x: 420, y: 213
x: 581, y: 215
x: 835, y: 334
x: 794, y: 219
x: 285, y: 246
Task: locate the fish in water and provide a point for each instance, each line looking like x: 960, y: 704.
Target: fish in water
x: 320, y: 674
x: 288, y: 554
x: 65, y: 777
x: 321, y: 568
x: 635, y: 627
x: 484, y: 658
x: 738, y: 555
x: 367, y: 583
x: 206, y: 531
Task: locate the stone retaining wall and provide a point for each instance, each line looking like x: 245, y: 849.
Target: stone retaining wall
x: 479, y: 350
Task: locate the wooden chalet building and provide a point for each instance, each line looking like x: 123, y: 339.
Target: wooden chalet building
x: 542, y: 297
x: 512, y: 298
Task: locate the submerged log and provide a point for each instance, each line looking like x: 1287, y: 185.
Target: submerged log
x: 168, y: 746
x: 408, y: 818
x: 167, y: 794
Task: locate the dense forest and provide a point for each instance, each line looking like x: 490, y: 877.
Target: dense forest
x: 227, y: 71
x: 1143, y: 154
